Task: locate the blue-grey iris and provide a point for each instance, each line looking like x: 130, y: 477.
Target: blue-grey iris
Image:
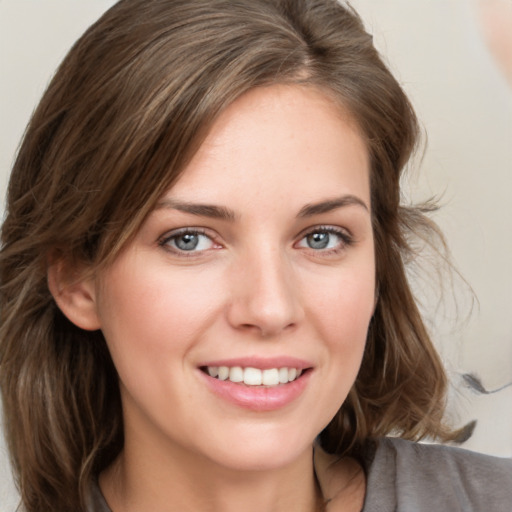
x: 318, y: 240
x: 187, y: 241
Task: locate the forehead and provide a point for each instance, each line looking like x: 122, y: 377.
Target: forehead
x: 282, y: 141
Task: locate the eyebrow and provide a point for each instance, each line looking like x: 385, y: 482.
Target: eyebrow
x: 201, y: 210
x: 223, y: 213
x: 331, y: 204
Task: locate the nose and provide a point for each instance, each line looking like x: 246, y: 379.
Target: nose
x: 265, y: 295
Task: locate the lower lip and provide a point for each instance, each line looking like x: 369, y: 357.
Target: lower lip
x: 258, y: 398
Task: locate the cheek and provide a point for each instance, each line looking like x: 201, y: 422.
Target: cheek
x: 153, y: 310
x: 343, y: 310
x: 343, y: 307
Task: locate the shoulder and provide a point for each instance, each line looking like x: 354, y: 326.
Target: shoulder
x: 405, y: 476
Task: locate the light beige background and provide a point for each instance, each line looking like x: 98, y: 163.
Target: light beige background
x: 437, y: 51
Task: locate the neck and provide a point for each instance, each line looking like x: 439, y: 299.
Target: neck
x: 168, y: 481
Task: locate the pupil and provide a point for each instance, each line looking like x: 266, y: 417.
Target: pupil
x: 187, y: 242
x: 318, y: 240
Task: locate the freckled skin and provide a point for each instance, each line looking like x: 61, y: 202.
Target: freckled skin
x: 253, y: 287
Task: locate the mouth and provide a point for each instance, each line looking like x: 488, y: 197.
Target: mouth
x: 255, y: 377
x: 256, y: 383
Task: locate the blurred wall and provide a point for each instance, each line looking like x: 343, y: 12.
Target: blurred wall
x: 444, y: 53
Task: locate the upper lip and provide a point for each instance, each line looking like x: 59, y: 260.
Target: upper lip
x: 263, y: 363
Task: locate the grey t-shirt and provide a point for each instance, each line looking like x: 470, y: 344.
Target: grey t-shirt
x: 410, y: 477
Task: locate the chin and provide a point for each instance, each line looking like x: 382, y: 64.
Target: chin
x: 265, y: 450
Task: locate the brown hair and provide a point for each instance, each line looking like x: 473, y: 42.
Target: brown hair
x: 124, y: 113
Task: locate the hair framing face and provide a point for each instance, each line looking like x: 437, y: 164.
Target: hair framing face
x: 125, y: 112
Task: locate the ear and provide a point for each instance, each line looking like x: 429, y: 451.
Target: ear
x: 75, y: 294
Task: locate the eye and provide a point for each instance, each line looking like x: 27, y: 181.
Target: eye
x: 328, y: 239
x: 188, y: 241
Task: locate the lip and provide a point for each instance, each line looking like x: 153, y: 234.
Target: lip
x: 258, y: 398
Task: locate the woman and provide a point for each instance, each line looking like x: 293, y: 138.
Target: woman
x: 204, y: 301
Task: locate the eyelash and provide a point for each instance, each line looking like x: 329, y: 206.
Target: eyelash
x: 346, y: 240
x: 164, y: 242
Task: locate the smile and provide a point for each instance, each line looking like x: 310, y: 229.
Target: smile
x: 254, y: 376
x: 258, y: 384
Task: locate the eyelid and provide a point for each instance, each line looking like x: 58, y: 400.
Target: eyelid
x: 163, y: 241
x: 346, y: 237
x: 327, y: 228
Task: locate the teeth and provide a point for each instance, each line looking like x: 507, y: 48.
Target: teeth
x: 236, y: 374
x: 254, y: 376
x: 223, y: 372
x: 271, y: 377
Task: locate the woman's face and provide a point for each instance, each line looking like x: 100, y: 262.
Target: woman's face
x: 257, y: 265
